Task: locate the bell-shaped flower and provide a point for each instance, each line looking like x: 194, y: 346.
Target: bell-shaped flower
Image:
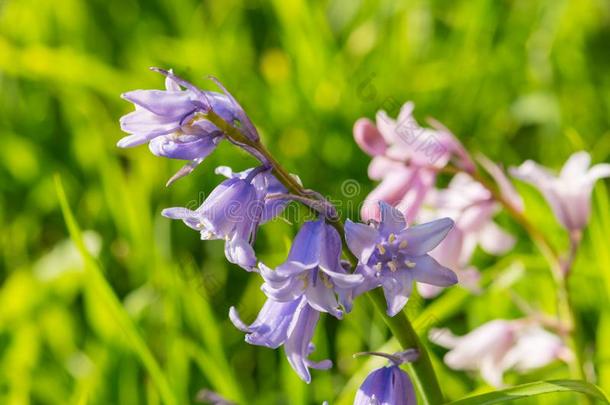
x: 313, y: 269
x: 289, y: 323
x: 393, y: 256
x: 233, y: 211
x: 172, y: 121
x: 568, y: 194
x: 497, y: 346
x: 388, y: 385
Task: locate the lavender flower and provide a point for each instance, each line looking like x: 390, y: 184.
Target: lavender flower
x: 290, y: 323
x: 313, y: 269
x: 173, y: 120
x: 388, y: 385
x: 233, y: 211
x: 568, y: 194
x: 393, y: 256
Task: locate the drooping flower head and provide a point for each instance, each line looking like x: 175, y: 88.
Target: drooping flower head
x: 173, y: 120
x: 568, y: 194
x: 233, y: 211
x: 393, y: 256
x: 500, y: 345
x: 290, y: 323
x: 388, y: 385
x: 313, y: 269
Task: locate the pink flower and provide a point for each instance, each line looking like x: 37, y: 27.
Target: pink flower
x: 472, y: 208
x: 568, y: 194
x: 406, y: 158
x: 501, y: 345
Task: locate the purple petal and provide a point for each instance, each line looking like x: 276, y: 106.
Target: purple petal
x: 372, y: 392
x: 270, y: 329
x: 397, y: 288
x: 399, y: 388
x: 145, y: 126
x: 427, y: 270
x: 239, y: 251
x: 185, y: 147
x: 307, y: 244
x: 361, y: 239
x: 300, y: 334
x: 424, y: 237
x: 330, y: 252
x: 190, y: 218
x: 161, y: 102
x: 184, y: 170
x: 392, y: 220
x: 343, y: 280
x: 323, y: 299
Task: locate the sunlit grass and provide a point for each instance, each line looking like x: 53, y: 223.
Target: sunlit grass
x: 133, y: 309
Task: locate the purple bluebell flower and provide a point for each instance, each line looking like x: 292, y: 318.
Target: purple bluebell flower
x: 313, y: 269
x: 388, y: 385
x: 290, y: 323
x: 233, y: 211
x: 173, y: 120
x: 393, y: 256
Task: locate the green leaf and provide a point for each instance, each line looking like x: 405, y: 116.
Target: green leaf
x: 534, y: 389
x: 112, y: 303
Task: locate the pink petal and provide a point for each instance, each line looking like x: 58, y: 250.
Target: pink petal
x: 368, y: 137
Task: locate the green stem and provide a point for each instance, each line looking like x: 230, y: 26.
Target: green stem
x: 400, y: 326
x: 424, y: 376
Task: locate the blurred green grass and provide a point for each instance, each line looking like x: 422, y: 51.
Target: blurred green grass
x: 513, y: 79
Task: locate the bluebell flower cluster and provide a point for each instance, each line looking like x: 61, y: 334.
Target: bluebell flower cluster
x: 185, y: 122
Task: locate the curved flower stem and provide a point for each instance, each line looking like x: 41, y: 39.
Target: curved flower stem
x: 424, y: 376
x: 559, y: 269
x: 400, y: 326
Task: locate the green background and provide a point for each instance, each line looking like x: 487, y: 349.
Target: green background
x: 513, y: 79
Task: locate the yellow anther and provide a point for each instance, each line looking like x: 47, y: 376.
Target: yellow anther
x: 410, y: 264
x: 381, y: 249
x: 392, y: 266
x: 378, y: 266
x: 403, y: 244
x: 326, y: 281
x: 391, y: 238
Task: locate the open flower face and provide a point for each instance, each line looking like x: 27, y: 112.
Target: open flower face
x: 393, y: 256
